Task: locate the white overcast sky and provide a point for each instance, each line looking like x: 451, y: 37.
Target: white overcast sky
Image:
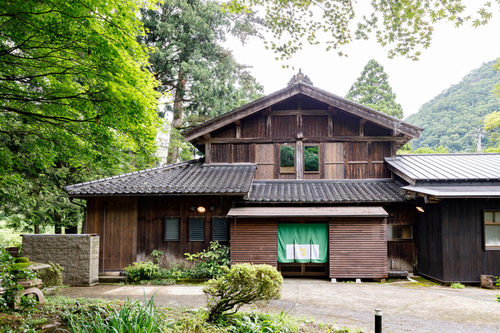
x: 454, y: 52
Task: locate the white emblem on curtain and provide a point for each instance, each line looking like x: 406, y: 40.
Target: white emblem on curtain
x: 302, y: 251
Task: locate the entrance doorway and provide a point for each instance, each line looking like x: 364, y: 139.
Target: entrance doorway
x: 303, y: 249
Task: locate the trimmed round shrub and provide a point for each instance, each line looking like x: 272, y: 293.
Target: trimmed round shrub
x: 240, y: 285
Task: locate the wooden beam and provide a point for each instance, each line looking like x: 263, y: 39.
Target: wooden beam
x: 332, y: 110
x: 238, y: 130
x: 268, y: 126
x: 362, y: 127
x: 307, y: 139
x: 206, y: 136
x: 299, y: 159
x: 301, y: 112
x: 330, y: 125
x: 208, y: 153
x: 237, y: 122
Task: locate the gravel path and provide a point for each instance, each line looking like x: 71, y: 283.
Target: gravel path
x: 406, y: 306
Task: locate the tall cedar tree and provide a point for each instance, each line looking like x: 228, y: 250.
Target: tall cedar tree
x: 75, y: 102
x: 373, y: 90
x: 202, y: 77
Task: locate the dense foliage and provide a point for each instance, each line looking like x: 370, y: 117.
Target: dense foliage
x: 76, y: 102
x: 201, y: 77
x: 450, y: 118
x: 11, y: 271
x: 372, y: 89
x: 406, y: 27
x: 209, y: 264
x: 240, y: 285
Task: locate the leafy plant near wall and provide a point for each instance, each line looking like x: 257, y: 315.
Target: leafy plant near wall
x: 11, y: 272
x: 209, y: 264
x: 52, y: 276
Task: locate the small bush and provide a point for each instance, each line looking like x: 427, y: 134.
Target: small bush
x: 457, y: 285
x: 144, y: 270
x: 209, y: 263
x: 52, y: 276
x: 22, y: 259
x: 242, y: 284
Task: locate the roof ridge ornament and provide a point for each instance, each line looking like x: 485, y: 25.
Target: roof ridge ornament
x: 300, y: 77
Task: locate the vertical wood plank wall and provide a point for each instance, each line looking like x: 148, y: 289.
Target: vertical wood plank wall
x: 358, y: 248
x: 403, y: 252
x: 134, y: 227
x: 450, y: 243
x: 254, y: 241
x: 115, y: 221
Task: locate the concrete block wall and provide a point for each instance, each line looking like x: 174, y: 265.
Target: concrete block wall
x: 77, y: 254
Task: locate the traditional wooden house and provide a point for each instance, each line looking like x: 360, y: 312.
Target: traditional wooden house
x: 303, y: 180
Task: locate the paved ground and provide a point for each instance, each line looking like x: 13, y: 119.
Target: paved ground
x: 407, y: 307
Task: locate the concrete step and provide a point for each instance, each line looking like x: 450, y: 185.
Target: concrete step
x: 111, y: 279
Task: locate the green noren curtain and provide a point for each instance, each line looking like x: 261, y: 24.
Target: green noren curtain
x: 302, y: 243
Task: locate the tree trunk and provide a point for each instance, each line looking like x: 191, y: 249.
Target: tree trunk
x: 180, y: 91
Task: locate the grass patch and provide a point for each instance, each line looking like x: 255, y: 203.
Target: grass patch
x: 97, y: 315
x: 457, y: 285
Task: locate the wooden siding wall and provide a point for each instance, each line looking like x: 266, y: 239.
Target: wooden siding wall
x: 320, y: 124
x: 403, y: 252
x: 135, y: 226
x: 454, y: 234
x: 358, y: 248
x: 254, y: 241
x: 115, y: 221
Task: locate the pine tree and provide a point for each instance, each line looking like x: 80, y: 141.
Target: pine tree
x: 373, y: 90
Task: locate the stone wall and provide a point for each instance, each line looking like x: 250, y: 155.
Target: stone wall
x: 77, y: 254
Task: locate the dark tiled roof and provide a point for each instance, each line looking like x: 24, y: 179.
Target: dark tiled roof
x: 191, y: 177
x: 447, y: 166
x: 323, y: 191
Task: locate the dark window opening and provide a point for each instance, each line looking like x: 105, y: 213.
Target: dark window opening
x: 492, y: 230
x: 196, y: 229
x: 220, y: 229
x: 171, y: 229
x: 399, y: 232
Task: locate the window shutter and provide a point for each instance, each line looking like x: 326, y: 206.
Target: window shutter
x: 220, y: 229
x: 197, y: 229
x: 172, y: 229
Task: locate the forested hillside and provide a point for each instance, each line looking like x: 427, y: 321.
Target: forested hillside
x: 450, y: 118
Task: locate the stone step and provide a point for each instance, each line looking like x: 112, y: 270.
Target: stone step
x: 111, y: 279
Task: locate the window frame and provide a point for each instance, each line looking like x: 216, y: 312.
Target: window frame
x: 213, y: 228
x: 391, y: 233
x: 490, y: 223
x: 164, y: 238
x: 319, y: 157
x: 191, y: 218
x: 281, y: 169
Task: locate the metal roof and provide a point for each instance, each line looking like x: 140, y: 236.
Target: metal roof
x: 326, y: 191
x: 457, y: 191
x: 192, y: 177
x: 307, y: 211
x: 444, y: 167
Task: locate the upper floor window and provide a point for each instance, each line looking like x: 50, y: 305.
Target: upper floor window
x: 311, y: 158
x: 287, y: 159
x: 492, y: 230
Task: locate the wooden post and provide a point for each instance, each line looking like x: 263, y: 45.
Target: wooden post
x: 208, y: 153
x: 238, y: 129
x: 299, y: 159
